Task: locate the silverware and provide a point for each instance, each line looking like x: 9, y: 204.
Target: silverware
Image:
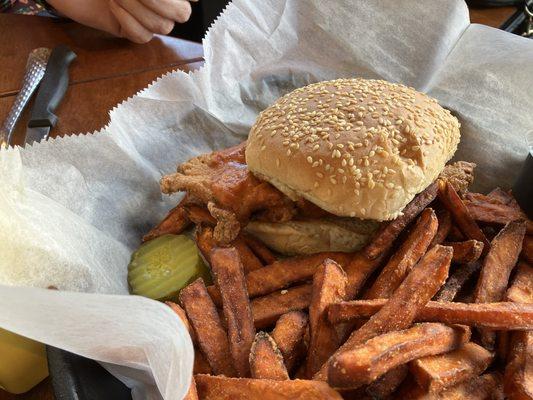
x: 50, y: 93
x: 35, y: 68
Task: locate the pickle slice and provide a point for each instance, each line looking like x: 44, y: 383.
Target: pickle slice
x: 160, y: 268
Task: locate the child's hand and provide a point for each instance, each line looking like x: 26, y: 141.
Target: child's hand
x: 139, y: 20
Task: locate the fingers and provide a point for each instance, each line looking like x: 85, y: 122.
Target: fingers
x: 176, y: 10
x: 129, y: 27
x: 151, y: 20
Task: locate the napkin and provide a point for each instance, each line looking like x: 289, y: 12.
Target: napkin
x: 73, y: 209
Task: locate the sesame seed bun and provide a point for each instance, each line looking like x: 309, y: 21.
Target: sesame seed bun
x: 354, y: 147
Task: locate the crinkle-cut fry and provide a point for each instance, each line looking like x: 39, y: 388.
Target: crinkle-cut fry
x: 386, y: 385
x: 438, y: 372
x: 180, y: 312
x: 410, y: 251
x: 445, y: 225
x: 222, y: 388
x: 199, y: 215
x: 266, y: 361
x: 521, y: 289
x: 289, y: 335
x: 518, y: 382
x: 460, y: 214
x: 400, y: 311
x: 228, y: 275
x: 465, y: 252
x: 284, y: 273
x: 329, y: 287
x: 260, y: 249
x: 458, y: 278
x: 497, y: 316
x: 201, y: 366
x: 267, y: 309
x: 368, y: 361
x: 385, y: 236
x: 211, y: 336
x: 174, y: 223
x: 496, y: 269
x: 527, y: 249
x: 192, y: 394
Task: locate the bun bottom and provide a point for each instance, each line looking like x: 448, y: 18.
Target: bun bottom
x: 313, y: 235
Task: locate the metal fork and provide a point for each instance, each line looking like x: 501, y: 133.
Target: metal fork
x: 35, y: 68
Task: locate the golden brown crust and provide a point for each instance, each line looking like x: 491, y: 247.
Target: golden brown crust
x: 222, y: 388
x: 361, y: 148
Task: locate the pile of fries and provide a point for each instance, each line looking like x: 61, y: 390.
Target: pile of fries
x: 437, y: 306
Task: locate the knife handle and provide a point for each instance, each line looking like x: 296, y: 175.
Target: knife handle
x: 52, y: 88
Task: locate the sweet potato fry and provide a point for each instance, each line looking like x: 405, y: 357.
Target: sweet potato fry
x: 387, y: 384
x: 249, y: 260
x: 260, y: 250
x: 519, y: 370
x: 483, y: 387
x: 229, y: 278
x: 455, y: 234
x: 329, y: 287
x: 370, y: 360
x: 211, y: 335
x: 201, y: 366
x: 496, y: 214
x: 206, y: 242
x: 445, y: 225
x: 266, y: 361
x: 180, y: 312
x: 459, y: 277
x: 521, y: 289
x: 289, y: 336
x: 175, y: 222
x: 465, y: 252
x: 518, y: 382
x: 527, y: 249
x: 192, y: 394
x: 436, y: 373
x: 399, y: 312
x: 267, y: 309
x: 503, y: 197
x: 222, y: 388
x: 497, y: 267
x: 358, y: 271
x: 408, y: 254
x: 460, y: 214
x: 284, y: 273
x: 199, y: 215
x: 385, y: 236
x: 498, y: 316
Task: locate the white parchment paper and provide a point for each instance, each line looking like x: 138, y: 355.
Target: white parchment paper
x: 73, y: 209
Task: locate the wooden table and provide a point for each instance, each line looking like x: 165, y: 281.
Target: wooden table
x: 107, y: 71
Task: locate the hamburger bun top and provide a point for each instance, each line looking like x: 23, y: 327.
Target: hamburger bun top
x: 354, y: 147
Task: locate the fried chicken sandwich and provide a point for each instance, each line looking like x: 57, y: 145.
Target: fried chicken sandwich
x: 322, y: 168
